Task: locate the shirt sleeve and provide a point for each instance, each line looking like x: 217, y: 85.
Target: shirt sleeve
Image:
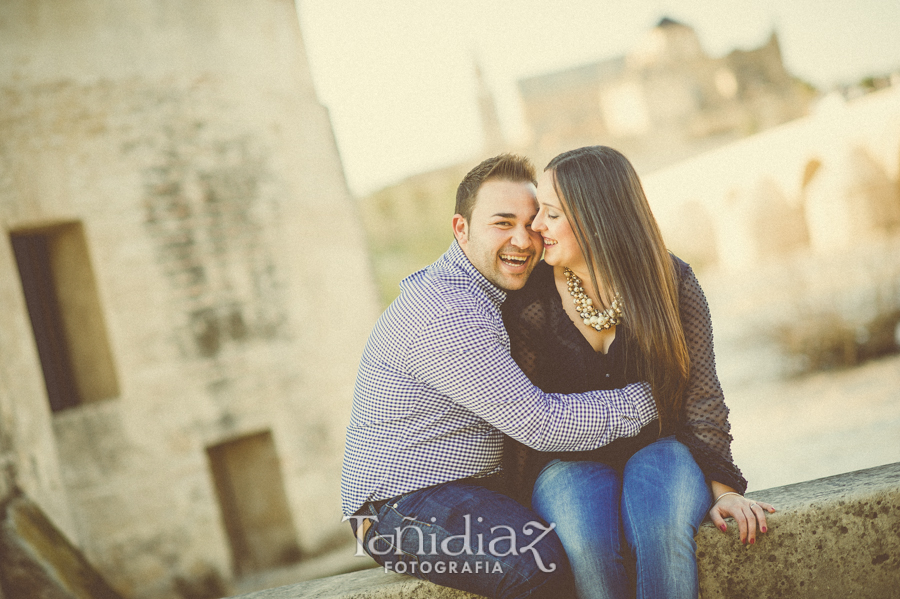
x: 464, y: 355
x: 705, y: 430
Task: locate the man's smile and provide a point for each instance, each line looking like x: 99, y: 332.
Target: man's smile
x: 515, y: 260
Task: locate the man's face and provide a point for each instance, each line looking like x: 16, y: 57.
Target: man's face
x: 498, y: 239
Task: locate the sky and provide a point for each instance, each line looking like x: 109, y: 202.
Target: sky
x: 398, y: 76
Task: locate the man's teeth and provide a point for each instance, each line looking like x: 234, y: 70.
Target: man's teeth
x: 518, y: 260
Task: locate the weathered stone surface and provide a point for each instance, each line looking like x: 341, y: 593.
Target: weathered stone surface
x: 38, y: 562
x: 834, y: 537
x: 368, y: 584
x: 185, y: 144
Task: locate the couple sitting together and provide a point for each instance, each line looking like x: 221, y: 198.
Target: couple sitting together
x: 545, y: 428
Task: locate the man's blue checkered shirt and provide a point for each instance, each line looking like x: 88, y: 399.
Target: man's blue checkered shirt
x: 436, y: 386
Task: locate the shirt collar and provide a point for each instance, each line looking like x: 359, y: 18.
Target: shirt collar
x: 456, y: 257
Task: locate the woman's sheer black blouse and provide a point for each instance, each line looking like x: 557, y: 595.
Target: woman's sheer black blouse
x: 558, y: 359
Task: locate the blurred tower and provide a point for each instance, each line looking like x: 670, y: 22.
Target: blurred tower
x: 494, y: 141
x: 185, y: 287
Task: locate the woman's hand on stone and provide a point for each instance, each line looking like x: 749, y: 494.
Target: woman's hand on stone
x: 749, y: 515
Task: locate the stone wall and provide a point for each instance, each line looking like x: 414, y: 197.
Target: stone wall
x: 823, y: 184
x: 229, y: 284
x: 831, y: 538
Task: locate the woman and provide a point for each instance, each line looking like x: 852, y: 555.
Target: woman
x: 608, y: 306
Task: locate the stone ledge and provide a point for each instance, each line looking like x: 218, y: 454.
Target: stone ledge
x: 834, y: 537
x: 36, y: 559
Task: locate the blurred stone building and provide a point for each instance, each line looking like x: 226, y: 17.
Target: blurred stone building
x: 663, y: 101
x: 824, y: 184
x: 185, y: 288
x: 800, y: 228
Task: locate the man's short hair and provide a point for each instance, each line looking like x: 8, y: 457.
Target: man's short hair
x: 506, y: 167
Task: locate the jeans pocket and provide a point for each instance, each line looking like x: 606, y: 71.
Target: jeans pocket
x: 397, y: 541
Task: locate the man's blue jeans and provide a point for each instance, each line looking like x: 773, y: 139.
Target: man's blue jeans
x: 467, y: 537
x: 632, y: 533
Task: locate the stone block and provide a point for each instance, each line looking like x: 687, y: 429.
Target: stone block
x: 834, y: 537
x: 37, y: 561
x: 366, y: 584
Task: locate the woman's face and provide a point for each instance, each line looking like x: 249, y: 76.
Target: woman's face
x: 560, y: 245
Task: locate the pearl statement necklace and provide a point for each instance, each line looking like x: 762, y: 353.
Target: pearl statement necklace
x: 594, y: 318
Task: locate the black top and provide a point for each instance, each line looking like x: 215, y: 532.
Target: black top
x: 557, y: 358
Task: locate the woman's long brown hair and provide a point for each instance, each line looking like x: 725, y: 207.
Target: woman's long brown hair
x: 625, y: 254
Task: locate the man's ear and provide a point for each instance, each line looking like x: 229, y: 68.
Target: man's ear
x: 460, y: 229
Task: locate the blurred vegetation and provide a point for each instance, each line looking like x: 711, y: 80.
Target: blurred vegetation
x: 808, y: 87
x: 408, y: 225
x: 829, y: 341
x: 874, y: 83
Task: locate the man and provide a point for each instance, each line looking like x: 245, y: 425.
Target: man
x: 437, y: 389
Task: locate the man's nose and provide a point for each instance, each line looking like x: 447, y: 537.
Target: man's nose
x: 522, y: 237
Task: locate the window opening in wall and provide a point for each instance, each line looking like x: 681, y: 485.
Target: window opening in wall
x: 254, y: 506
x: 66, y: 318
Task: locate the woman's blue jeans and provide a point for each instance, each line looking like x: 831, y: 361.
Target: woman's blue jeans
x: 632, y: 533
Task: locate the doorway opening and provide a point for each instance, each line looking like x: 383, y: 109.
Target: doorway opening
x: 254, y: 506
